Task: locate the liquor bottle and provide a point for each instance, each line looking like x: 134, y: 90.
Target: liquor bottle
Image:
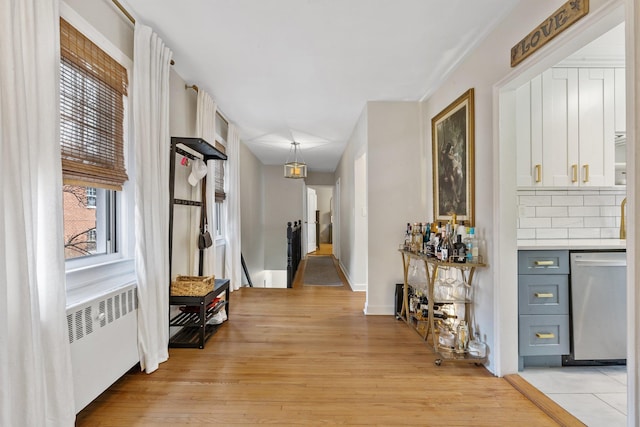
x: 447, y: 248
x: 425, y: 237
x: 431, y: 245
x: 459, y: 250
x: 407, y: 238
x: 462, y: 337
x: 416, y: 237
x: 480, y: 244
x: 471, y: 244
x: 475, y: 249
x: 438, y: 245
x: 462, y: 230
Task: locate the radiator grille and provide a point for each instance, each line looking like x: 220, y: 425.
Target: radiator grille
x: 88, y: 320
x: 70, y: 327
x: 80, y: 323
x: 116, y: 301
x: 79, y: 328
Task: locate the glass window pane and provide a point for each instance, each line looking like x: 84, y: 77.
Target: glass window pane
x: 88, y: 213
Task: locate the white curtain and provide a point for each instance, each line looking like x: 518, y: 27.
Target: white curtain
x: 206, y: 129
x: 35, y: 363
x: 152, y: 142
x: 233, y: 265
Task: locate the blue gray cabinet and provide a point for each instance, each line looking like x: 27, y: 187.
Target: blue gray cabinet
x: 543, y: 307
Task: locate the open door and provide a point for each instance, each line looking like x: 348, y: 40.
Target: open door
x: 312, y: 206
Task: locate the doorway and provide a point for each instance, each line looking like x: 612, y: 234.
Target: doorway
x: 505, y: 179
x: 320, y: 219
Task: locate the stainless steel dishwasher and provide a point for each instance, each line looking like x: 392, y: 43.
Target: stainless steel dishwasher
x: 598, y: 306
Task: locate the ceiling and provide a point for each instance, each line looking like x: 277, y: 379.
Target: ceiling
x: 303, y: 70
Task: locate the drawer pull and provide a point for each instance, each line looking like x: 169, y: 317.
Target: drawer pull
x: 543, y: 295
x: 544, y: 262
x: 545, y: 336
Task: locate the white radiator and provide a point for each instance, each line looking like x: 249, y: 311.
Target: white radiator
x: 103, y: 337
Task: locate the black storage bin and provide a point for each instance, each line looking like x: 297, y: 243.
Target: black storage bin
x: 399, y: 294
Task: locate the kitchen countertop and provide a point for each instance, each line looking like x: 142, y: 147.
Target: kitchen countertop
x: 574, y: 244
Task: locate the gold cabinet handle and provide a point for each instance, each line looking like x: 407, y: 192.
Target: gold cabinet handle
x: 545, y: 336
x: 538, y: 170
x: 586, y: 173
x: 574, y: 173
x: 544, y: 262
x: 543, y: 295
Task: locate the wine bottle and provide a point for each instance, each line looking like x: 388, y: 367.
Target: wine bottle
x: 446, y: 243
x: 438, y: 314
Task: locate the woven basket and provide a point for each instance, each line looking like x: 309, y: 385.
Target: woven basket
x: 192, y: 286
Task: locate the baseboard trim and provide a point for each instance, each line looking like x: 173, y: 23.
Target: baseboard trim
x: 379, y: 310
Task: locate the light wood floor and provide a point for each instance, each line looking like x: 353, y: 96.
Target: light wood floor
x: 309, y: 356
x: 324, y: 249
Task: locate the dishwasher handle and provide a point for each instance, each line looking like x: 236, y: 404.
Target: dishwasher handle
x: 601, y: 262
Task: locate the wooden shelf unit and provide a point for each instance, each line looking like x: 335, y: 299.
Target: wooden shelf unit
x: 195, y: 331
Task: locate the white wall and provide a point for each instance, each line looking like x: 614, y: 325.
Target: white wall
x: 395, y: 194
x: 283, y: 202
x: 108, y: 20
x: 252, y: 194
x: 389, y: 133
x: 320, y: 178
x: 356, y: 146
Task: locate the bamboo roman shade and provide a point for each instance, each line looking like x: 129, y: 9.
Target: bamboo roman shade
x: 220, y: 194
x: 92, y: 87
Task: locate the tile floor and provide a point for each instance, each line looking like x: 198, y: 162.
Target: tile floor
x: 597, y: 396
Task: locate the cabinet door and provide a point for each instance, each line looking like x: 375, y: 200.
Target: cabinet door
x: 559, y: 126
x: 529, y: 133
x: 596, y: 126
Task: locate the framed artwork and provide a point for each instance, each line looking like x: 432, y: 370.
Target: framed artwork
x: 452, y: 138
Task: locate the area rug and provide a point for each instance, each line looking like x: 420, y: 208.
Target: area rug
x: 320, y: 271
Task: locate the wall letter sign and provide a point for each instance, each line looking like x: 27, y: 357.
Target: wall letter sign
x: 559, y: 21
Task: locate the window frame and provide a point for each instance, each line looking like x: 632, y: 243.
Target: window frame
x: 91, y: 275
x: 221, y: 211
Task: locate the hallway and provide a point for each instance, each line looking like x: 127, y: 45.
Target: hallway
x: 308, y: 356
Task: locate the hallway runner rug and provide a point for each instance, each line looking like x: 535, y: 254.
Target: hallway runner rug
x: 320, y: 271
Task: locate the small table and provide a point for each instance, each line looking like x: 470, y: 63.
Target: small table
x: 195, y: 330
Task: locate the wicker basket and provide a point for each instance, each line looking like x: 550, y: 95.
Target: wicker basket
x: 192, y: 286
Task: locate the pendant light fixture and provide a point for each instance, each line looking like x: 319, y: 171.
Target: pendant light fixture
x: 295, y: 166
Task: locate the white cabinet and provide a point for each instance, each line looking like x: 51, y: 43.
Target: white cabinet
x: 595, y: 151
x: 529, y: 133
x: 559, y: 125
x: 565, y: 128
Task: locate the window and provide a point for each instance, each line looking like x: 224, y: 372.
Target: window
x: 219, y: 220
x: 93, y: 91
x: 89, y: 229
x: 91, y: 197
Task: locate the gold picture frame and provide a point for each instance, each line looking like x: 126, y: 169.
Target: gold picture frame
x: 452, y: 140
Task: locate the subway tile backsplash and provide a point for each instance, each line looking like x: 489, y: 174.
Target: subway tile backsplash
x: 569, y: 213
